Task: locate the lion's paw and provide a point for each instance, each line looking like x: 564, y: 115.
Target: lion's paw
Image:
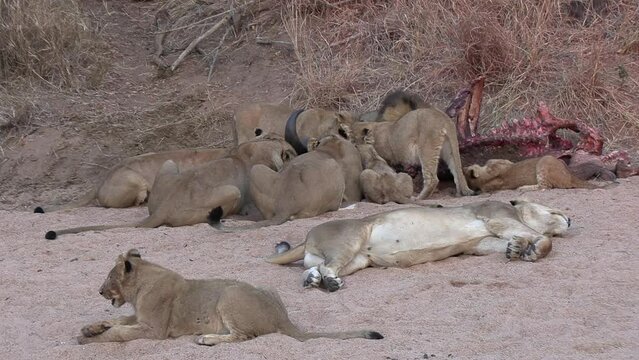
x: 204, y: 340
x: 333, y: 283
x: 516, y: 247
x: 312, y: 277
x: 95, y: 329
x: 530, y: 253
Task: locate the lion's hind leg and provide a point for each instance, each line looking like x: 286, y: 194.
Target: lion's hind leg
x: 312, y: 276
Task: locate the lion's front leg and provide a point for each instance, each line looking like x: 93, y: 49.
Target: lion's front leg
x: 102, y: 326
x: 120, y: 333
x: 527, y: 249
x: 523, y: 243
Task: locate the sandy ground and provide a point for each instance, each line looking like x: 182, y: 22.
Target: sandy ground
x: 580, y: 302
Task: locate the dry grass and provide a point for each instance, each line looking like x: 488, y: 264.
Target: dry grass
x: 51, y: 41
x: 351, y: 55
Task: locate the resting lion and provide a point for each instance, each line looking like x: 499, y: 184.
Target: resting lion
x: 309, y: 185
x: 545, y: 172
x: 420, y: 137
x: 410, y: 236
x: 296, y: 126
x: 168, y: 306
x: 379, y: 182
x: 128, y: 183
x: 181, y: 198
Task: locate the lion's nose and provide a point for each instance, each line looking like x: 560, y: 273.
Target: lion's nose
x: 568, y: 220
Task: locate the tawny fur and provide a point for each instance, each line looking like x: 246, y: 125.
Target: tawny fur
x: 272, y: 118
x: 545, y: 172
x: 167, y: 305
x: 309, y: 185
x: 409, y: 236
x: 129, y: 183
x: 181, y: 198
x: 421, y: 137
x: 379, y: 182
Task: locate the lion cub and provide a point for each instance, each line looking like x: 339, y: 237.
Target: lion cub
x: 379, y: 182
x: 545, y: 172
x: 168, y: 306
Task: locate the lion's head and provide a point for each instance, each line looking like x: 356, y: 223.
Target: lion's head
x: 477, y: 175
x: 541, y: 218
x: 120, y: 278
x: 267, y: 149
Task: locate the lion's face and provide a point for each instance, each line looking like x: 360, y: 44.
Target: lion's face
x: 115, y: 283
x: 270, y: 150
x: 477, y: 175
x: 542, y: 219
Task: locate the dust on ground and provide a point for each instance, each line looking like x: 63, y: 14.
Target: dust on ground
x: 579, y: 302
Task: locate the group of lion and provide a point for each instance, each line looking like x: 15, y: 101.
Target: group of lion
x: 298, y: 164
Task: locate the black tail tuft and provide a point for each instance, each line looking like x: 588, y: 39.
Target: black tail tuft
x: 215, y: 216
x: 50, y: 235
x: 374, y: 335
x: 38, y: 210
x: 282, y: 247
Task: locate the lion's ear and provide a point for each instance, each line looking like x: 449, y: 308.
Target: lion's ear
x: 344, y: 131
x: 368, y: 136
x: 133, y: 253
x: 127, y: 266
x: 472, y: 173
x: 344, y: 117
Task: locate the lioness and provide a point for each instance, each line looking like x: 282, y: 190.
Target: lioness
x: 379, y: 182
x: 309, y: 185
x: 181, y: 198
x: 412, y: 236
x: 545, y: 172
x: 168, y: 306
x: 296, y: 126
x: 128, y: 183
x: 418, y: 138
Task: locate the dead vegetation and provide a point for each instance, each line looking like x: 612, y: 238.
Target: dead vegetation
x: 51, y: 41
x: 578, y: 56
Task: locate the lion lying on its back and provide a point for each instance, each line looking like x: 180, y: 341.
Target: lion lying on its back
x: 410, y: 236
x: 546, y: 172
x: 168, y: 306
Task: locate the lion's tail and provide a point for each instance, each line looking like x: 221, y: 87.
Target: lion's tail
x: 84, y: 200
x: 292, y: 331
x: 150, y: 222
x: 287, y: 257
x: 215, y: 217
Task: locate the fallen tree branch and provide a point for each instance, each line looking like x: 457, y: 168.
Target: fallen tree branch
x: 216, y: 52
x: 197, y: 40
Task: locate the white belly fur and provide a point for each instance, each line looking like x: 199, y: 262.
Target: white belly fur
x: 417, y: 235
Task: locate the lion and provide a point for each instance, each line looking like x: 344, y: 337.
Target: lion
x: 180, y: 198
x: 379, y: 182
x: 410, y: 236
x: 546, y: 172
x: 420, y: 138
x: 394, y: 105
x: 296, y: 126
x: 128, y: 183
x: 309, y: 185
x: 216, y: 310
